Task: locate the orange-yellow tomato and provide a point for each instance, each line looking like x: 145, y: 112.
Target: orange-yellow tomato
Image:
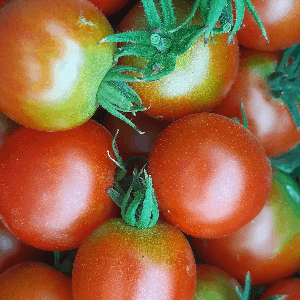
x: 202, y: 76
x: 117, y: 261
x: 51, y: 63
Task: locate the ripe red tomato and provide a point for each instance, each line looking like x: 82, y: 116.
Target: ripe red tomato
x: 214, y: 283
x: 202, y: 76
x: 51, y: 63
x: 117, y: 261
x: 268, y: 247
x: 289, y: 287
x: 130, y: 142
x: 32, y: 280
x: 109, y: 7
x: 210, y: 175
x: 281, y: 22
x: 13, y: 251
x: 268, y: 117
x: 53, y: 185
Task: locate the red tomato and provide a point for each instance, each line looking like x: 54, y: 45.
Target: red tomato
x: 53, y: 185
x: 202, y: 76
x: 51, y: 63
x: 130, y: 142
x: 33, y: 280
x: 289, y: 287
x: 109, y: 7
x: 118, y: 261
x: 210, y: 175
x: 268, y: 247
x: 281, y: 22
x: 214, y: 283
x: 268, y: 117
x: 13, y: 251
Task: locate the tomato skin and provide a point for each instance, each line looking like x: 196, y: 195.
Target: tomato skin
x: 51, y: 63
x: 118, y: 261
x: 32, y: 280
x: 130, y: 142
x: 288, y: 286
x: 268, y: 118
x: 268, y: 247
x: 213, y: 284
x: 109, y: 7
x: 53, y: 185
x: 202, y: 76
x: 210, y: 175
x: 13, y: 251
x: 281, y: 22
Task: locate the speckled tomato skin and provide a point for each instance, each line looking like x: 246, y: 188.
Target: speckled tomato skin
x: 118, y: 261
x: 210, y: 175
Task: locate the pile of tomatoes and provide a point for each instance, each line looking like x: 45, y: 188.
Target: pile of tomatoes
x: 221, y: 152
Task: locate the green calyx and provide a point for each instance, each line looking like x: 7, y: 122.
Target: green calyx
x: 138, y: 204
x: 285, y: 81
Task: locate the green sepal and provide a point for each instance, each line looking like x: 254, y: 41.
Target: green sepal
x: 255, y: 16
x: 136, y: 50
x: 245, y: 294
x: 277, y: 297
x: 153, y: 18
x: 226, y: 18
x: 240, y: 12
x: 168, y: 14
x: 136, y: 37
x: 214, y: 13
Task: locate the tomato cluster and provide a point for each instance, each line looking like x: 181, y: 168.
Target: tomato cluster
x: 213, y: 154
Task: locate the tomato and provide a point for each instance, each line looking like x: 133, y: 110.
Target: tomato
x: 269, y: 246
x: 289, y: 287
x: 268, y: 117
x: 51, y: 63
x: 202, y: 76
x: 32, y: 280
x: 213, y: 283
x: 13, y: 251
x: 210, y: 175
x: 53, y: 185
x: 109, y: 7
x: 281, y: 22
x: 117, y: 261
x: 130, y: 142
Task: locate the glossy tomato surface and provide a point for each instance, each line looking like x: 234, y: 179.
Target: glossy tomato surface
x: 109, y: 7
x: 213, y: 284
x: 281, y: 22
x: 289, y: 287
x: 269, y: 246
x: 210, y: 175
x: 32, y: 280
x: 202, y: 76
x: 118, y: 261
x: 13, y: 251
x: 51, y: 63
x: 268, y: 117
x: 53, y: 184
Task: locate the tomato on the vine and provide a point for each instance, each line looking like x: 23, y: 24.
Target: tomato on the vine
x: 53, y: 185
x: 118, y: 261
x: 210, y: 175
x: 109, y: 7
x: 32, y: 280
x: 268, y: 117
x: 289, y: 287
x: 269, y: 246
x: 214, y: 283
x: 202, y: 76
x: 280, y: 19
x: 51, y: 63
